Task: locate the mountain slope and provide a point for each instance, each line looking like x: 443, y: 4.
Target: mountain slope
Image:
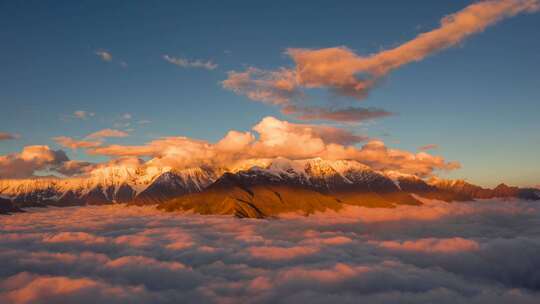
x: 293, y: 186
x: 255, y: 188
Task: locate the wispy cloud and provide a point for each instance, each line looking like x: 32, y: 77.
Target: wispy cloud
x: 104, y: 55
x: 346, y: 73
x: 108, y: 133
x: 186, y: 63
x: 428, y: 147
x: 81, y: 114
x: 68, y: 142
x: 8, y: 136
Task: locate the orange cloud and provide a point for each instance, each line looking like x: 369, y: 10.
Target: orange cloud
x: 108, y: 133
x: 74, y: 144
x: 273, y: 87
x: 346, y: 73
x: 30, y: 159
x: 8, y: 136
x: 428, y: 147
x: 277, y: 138
x: 433, y: 245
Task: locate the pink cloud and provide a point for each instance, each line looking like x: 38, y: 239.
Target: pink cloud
x: 433, y: 245
x: 8, y: 136
x: 107, y: 133
x: 25, y: 288
x: 68, y: 142
x: 30, y: 159
x: 75, y: 237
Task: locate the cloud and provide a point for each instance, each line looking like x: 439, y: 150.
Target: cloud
x: 104, y: 55
x: 29, y: 288
x: 273, y: 87
x: 349, y: 114
x: 30, y: 159
x: 473, y: 252
x: 75, y: 167
x: 346, y: 73
x: 8, y: 136
x: 74, y: 144
x: 186, y: 63
x: 433, y: 245
x: 92, y: 140
x: 428, y: 147
x: 80, y: 114
x: 281, y: 253
x: 107, y: 133
x: 277, y: 138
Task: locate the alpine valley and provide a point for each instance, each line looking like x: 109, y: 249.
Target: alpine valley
x: 254, y: 189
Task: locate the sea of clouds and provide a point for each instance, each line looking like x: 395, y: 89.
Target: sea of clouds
x: 475, y: 252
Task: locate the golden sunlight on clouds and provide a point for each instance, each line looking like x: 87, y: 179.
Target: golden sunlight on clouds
x: 277, y: 138
x: 346, y: 73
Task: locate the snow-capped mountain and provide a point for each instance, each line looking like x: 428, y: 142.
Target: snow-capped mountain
x: 113, y: 184
x: 283, y: 185
x: 175, y: 183
x: 316, y: 173
x: 257, y: 187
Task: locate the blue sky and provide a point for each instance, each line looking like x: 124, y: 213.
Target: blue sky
x: 479, y: 102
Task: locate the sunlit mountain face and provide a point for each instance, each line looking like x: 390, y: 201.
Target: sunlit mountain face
x: 270, y: 152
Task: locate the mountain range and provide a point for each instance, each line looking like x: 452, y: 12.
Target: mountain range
x: 257, y: 189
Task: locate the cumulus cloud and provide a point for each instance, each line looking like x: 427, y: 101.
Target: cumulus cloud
x: 474, y: 252
x: 277, y: 138
x: 108, y: 133
x: 186, y: 63
x: 8, y: 136
x: 29, y: 160
x: 75, y: 167
x: 347, y: 73
x: 104, y: 55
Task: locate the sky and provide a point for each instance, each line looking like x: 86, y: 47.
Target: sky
x: 150, y: 70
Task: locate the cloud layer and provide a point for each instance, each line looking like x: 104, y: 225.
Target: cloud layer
x: 347, y: 73
x: 478, y: 252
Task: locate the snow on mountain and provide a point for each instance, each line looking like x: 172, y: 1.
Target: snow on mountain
x: 143, y: 184
x: 316, y: 172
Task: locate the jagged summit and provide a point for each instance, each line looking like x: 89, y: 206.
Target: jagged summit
x: 249, y: 188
